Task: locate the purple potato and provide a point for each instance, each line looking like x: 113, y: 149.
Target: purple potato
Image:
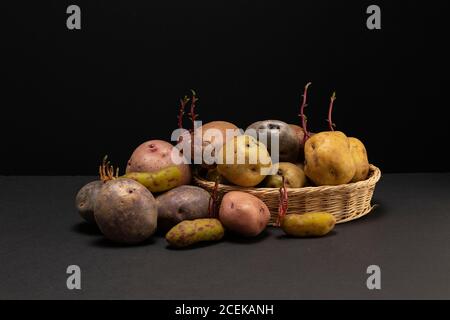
x: 86, y: 198
x: 289, y: 144
x: 182, y: 203
x: 125, y: 211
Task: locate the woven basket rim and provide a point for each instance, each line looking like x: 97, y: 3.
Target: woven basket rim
x: 373, y: 178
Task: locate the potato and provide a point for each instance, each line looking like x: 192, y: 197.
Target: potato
x: 189, y: 232
x: 158, y: 181
x: 213, y: 137
x: 294, y: 176
x: 86, y: 198
x: 300, y: 133
x: 359, y: 154
x: 313, y: 224
x: 256, y: 160
x: 154, y: 155
x: 125, y: 211
x: 289, y: 144
x: 182, y: 203
x: 328, y: 160
x: 243, y: 213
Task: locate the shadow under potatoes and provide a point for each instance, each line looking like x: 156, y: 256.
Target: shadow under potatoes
x: 332, y: 233
x: 86, y: 228
x: 105, y: 243
x: 239, y: 239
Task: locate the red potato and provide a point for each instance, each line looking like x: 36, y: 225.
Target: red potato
x: 154, y: 155
x: 243, y: 213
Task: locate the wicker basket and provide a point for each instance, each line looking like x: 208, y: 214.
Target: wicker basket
x: 346, y: 202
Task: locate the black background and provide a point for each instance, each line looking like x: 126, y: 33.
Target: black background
x: 73, y: 96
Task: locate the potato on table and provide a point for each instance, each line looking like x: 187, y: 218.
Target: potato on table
x: 244, y: 213
x: 182, y: 203
x: 125, y: 211
x: 86, y: 198
x: 313, y: 224
x: 189, y: 232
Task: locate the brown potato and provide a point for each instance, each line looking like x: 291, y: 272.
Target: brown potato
x: 359, y: 154
x: 245, y: 174
x: 211, y: 138
x: 294, y: 176
x: 125, y: 211
x: 154, y: 155
x: 182, y: 203
x: 243, y: 213
x: 328, y: 160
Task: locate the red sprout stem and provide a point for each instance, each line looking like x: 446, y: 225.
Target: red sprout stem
x: 192, y: 114
x: 213, y: 200
x: 302, y: 111
x: 183, y: 103
x: 330, y: 111
x: 283, y: 203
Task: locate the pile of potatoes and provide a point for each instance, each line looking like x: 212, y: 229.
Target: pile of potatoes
x: 155, y: 193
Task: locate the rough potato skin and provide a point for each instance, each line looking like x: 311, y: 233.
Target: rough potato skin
x: 154, y: 155
x: 289, y: 144
x: 243, y: 213
x: 313, y: 224
x: 328, y: 160
x: 246, y: 174
x: 189, y: 232
x: 359, y: 154
x: 86, y: 198
x: 125, y: 211
x: 158, y: 181
x: 182, y: 203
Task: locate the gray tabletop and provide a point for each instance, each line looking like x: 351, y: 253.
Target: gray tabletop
x: 407, y: 236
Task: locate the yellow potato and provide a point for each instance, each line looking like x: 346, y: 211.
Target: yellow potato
x: 313, y: 224
x: 255, y: 158
x: 294, y: 176
x: 188, y: 232
x: 159, y: 181
x: 328, y: 160
x: 359, y: 154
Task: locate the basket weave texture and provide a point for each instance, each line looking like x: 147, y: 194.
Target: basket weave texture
x: 346, y: 202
